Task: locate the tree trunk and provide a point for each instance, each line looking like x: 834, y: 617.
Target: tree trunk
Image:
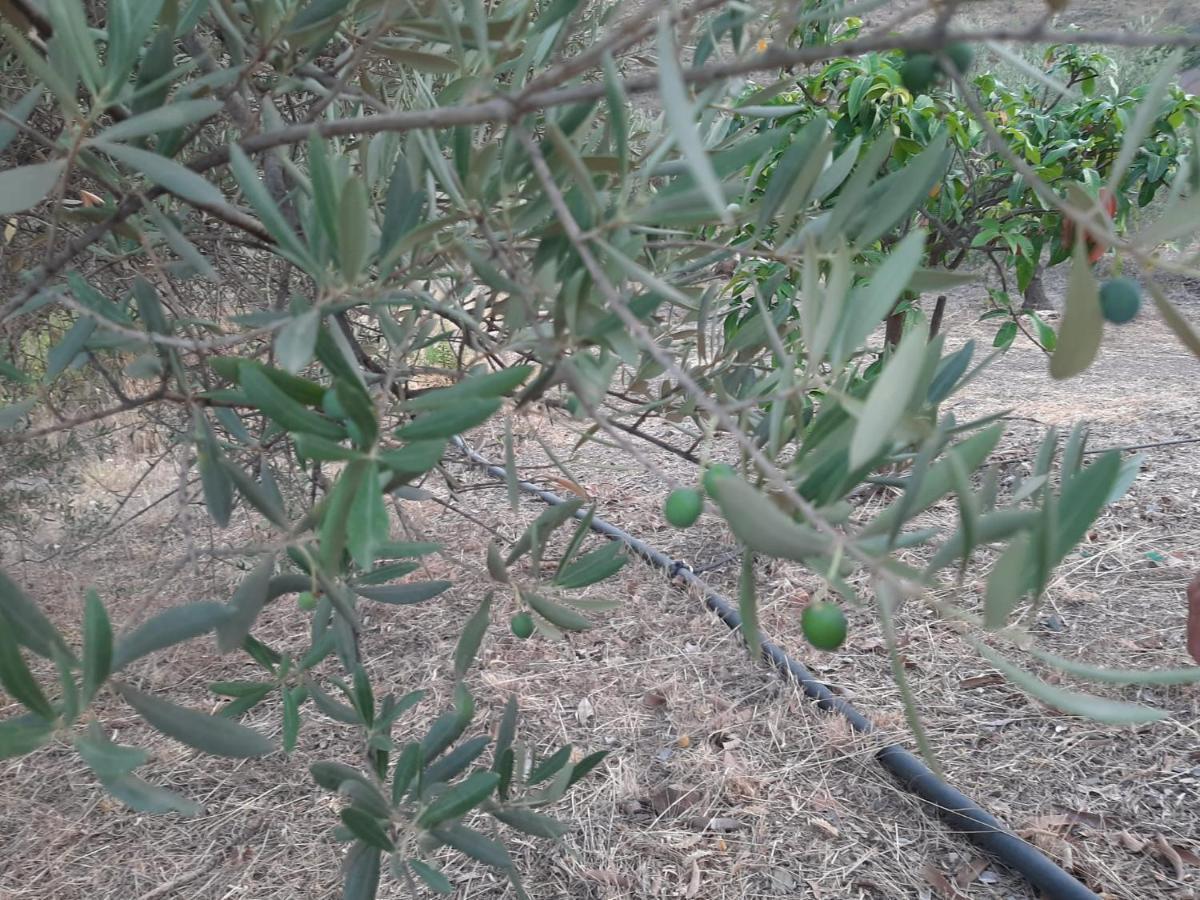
x: 1035, y: 292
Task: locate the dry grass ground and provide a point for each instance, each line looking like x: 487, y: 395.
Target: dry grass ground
x: 722, y: 781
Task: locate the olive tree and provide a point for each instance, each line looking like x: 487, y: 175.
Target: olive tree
x: 460, y: 209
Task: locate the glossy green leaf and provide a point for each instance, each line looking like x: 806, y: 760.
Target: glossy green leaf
x: 1008, y: 582
x: 586, y: 765
x: 368, y: 524
x: 127, y: 23
x: 282, y: 408
x: 889, y: 399
x: 245, y: 605
x: 18, y: 681
x: 939, y: 480
x: 433, y: 879
x: 556, y: 614
x: 367, y: 829
x: 550, y: 766
x: 762, y: 526
x: 165, y: 118
x: 408, y: 764
x: 460, y: 415
x: 63, y: 353
x: 867, y: 306
x: 28, y: 624
x: 1117, y: 676
x: 295, y: 341
x: 14, y: 413
x: 681, y: 118
x: 360, y: 872
x: 459, y: 800
x: 257, y: 195
x: 1083, y: 496
x: 353, y: 228
x: 478, y: 846
x: 402, y: 208
x: 214, y: 477
x: 23, y: 735
x: 491, y: 384
x: 211, y: 734
x: 97, y: 646
x: 592, y: 567
x: 166, y: 173
x: 472, y: 636
x: 1099, y: 709
x: 403, y: 594
x: 18, y: 114
x: 336, y: 710
x: 144, y: 797
x: 105, y: 758
x: 455, y: 762
x: 24, y: 187
x: 530, y: 822
x: 541, y: 528
x: 1083, y: 323
x: 170, y: 627
x: 255, y: 494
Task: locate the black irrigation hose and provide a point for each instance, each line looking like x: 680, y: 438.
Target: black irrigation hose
x: 959, y: 810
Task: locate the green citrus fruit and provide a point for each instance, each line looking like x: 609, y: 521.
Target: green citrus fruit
x: 824, y: 625
x: 962, y: 55
x: 683, y: 507
x: 714, y: 474
x: 918, y: 72
x: 1120, y: 300
x: 307, y: 601
x: 522, y: 625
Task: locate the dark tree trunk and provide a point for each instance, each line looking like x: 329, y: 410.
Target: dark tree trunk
x: 895, y: 329
x: 1035, y: 292
x: 939, y: 310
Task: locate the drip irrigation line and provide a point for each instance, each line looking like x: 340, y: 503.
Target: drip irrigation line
x: 962, y: 813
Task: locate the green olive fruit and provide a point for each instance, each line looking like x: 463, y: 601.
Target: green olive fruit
x: 919, y: 72
x: 683, y: 507
x: 307, y: 601
x: 824, y: 625
x: 1120, y: 300
x: 962, y: 55
x: 522, y: 625
x: 714, y: 474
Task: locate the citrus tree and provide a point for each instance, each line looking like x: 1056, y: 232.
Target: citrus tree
x: 462, y: 209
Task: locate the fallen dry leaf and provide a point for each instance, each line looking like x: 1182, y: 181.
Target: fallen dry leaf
x: 1131, y: 843
x: 567, y: 485
x: 673, y: 798
x: 969, y: 871
x: 653, y: 700
x: 1169, y: 854
x: 940, y: 883
x: 984, y: 680
x: 584, y: 711
x: 827, y: 828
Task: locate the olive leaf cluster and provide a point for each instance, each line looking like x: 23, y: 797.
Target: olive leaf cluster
x: 464, y: 209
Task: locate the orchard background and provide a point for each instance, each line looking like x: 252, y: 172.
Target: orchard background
x: 263, y: 260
